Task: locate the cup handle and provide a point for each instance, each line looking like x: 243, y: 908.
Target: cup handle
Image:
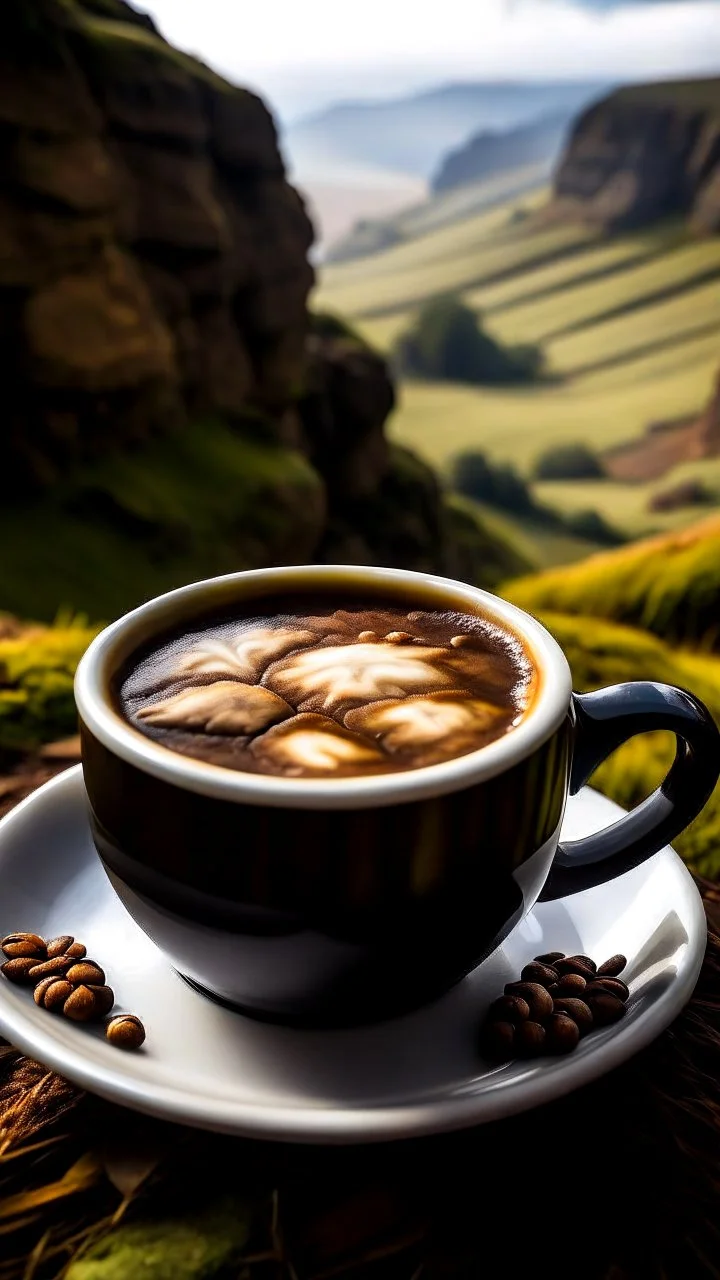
x: 604, y: 720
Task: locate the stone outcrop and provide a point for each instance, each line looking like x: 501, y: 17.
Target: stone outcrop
x: 154, y: 283
x: 644, y: 153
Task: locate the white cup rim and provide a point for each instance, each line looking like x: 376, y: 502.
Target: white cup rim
x: 117, y: 641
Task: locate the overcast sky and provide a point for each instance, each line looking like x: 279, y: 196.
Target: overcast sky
x: 303, y: 54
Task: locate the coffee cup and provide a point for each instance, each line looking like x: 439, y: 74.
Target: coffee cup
x: 330, y: 901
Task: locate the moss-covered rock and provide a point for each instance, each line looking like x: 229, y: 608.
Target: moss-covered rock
x: 204, y: 501
x: 195, y: 1247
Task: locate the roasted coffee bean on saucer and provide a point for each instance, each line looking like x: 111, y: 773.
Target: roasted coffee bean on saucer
x: 66, y: 945
x: 17, y: 946
x: 125, y: 1031
x: 605, y: 1009
x: 18, y: 970
x: 66, y: 982
x: 576, y: 1009
x: 613, y: 986
x: 558, y: 1001
x: 537, y: 998
x: 561, y: 1033
x: 545, y: 974
x: 510, y: 1008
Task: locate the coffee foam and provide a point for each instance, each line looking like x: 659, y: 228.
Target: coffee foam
x: 335, y: 676
x: 331, y: 693
x: 450, y: 718
x: 226, y: 706
x: 313, y: 744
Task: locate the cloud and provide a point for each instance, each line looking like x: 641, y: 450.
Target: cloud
x: 393, y: 45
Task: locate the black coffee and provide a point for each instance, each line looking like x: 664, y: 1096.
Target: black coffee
x: 305, y: 690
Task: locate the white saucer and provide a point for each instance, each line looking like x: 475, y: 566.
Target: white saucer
x: 204, y: 1066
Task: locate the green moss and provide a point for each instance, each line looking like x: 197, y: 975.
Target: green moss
x: 110, y: 44
x: 201, y: 502
x: 197, y: 1247
x: 668, y: 585
x: 36, y: 683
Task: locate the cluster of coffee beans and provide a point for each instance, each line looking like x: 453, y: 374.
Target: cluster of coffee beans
x: 558, y: 1000
x: 64, y: 981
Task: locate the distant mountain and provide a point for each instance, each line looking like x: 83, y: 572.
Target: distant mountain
x: 492, y: 152
x: 410, y: 134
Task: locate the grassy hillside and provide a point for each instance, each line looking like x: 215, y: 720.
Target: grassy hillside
x: 669, y: 585
x: 128, y: 527
x: 603, y: 653
x: 37, y: 665
x: 629, y: 326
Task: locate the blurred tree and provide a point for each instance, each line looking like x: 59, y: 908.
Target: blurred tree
x: 569, y: 462
x: 446, y: 341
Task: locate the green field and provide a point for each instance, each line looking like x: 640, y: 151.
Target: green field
x: 629, y: 326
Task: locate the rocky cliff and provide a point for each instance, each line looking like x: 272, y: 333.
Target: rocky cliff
x: 167, y: 410
x: 644, y: 153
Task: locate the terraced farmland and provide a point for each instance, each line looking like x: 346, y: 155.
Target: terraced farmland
x: 629, y: 326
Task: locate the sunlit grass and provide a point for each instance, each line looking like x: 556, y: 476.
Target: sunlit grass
x: 669, y: 585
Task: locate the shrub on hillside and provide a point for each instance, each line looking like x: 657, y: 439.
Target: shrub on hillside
x: 569, y: 462
x: 446, y: 341
x: 497, y: 484
x: 593, y: 526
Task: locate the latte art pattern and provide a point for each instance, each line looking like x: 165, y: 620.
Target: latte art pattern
x: 368, y: 689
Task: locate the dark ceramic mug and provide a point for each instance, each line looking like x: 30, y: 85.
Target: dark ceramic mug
x: 334, y: 902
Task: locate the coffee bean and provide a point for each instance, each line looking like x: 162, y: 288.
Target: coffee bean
x: 18, y: 946
x: 538, y: 998
x: 86, y: 972
x: 578, y: 1011
x: 545, y: 974
x: 509, y: 1009
x: 613, y: 986
x: 18, y: 970
x: 125, y: 1031
x: 55, y: 968
x: 561, y: 1033
x: 529, y: 1039
x: 80, y: 1005
x: 605, y: 1009
x: 612, y: 967
x: 51, y: 993
x: 65, y: 945
x: 550, y: 957
x: 571, y: 984
x: 573, y: 964
x: 497, y: 1041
